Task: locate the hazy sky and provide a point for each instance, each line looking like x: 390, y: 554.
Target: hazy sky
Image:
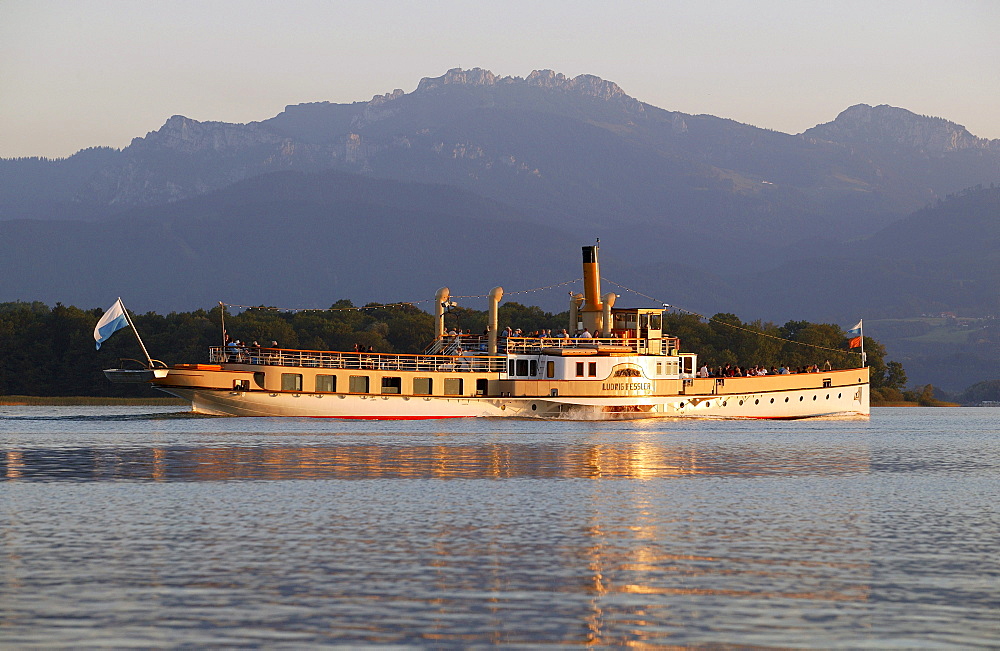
x: 75, y: 74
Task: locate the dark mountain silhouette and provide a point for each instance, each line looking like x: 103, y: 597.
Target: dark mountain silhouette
x: 564, y: 152
x: 943, y: 258
x: 291, y: 239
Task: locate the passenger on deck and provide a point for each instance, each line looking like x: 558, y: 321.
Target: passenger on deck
x: 703, y: 371
x: 586, y: 334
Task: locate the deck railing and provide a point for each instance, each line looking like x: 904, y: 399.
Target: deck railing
x: 360, y: 361
x: 454, y: 344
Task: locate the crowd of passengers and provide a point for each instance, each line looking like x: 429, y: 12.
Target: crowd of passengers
x: 544, y: 333
x: 756, y: 371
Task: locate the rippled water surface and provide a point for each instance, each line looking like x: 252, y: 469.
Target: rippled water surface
x: 148, y: 527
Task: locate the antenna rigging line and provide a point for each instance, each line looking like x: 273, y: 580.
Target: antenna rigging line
x: 731, y: 325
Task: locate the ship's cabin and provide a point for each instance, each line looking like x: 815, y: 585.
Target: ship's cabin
x: 645, y: 327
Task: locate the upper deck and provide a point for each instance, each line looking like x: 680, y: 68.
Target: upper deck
x: 451, y: 353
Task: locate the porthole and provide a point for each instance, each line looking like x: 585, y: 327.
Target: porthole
x: 828, y: 396
x: 682, y: 405
x: 534, y: 407
x: 708, y: 404
x: 772, y: 401
x: 756, y: 402
x: 725, y: 403
x: 786, y: 399
x: 801, y: 398
x: 839, y: 396
x: 814, y: 397
x: 741, y: 403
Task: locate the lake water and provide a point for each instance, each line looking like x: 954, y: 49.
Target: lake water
x: 146, y: 527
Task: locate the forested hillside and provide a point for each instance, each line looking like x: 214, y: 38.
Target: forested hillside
x: 50, y: 351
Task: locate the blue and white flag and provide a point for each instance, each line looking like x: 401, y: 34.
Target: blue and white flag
x: 112, y: 321
x: 856, y: 330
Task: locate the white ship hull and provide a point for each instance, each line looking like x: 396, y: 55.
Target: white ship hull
x: 844, y: 401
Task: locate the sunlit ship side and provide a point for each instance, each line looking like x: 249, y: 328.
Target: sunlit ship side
x: 636, y: 371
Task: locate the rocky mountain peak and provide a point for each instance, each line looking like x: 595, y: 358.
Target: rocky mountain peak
x: 888, y: 125
x: 473, y: 77
x: 185, y: 135
x: 590, y: 85
x: 584, y: 84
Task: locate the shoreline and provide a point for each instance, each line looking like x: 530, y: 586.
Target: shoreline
x: 66, y: 401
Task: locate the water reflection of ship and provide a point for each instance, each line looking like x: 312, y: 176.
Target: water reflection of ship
x: 611, y: 460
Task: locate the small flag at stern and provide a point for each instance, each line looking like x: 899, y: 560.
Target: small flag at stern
x: 856, y: 330
x: 112, y: 321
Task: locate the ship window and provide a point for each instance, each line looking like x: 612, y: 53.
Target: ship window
x: 592, y: 369
x: 654, y: 321
x: 510, y: 367
x: 392, y: 385
x: 522, y: 367
x: 579, y: 369
x: 291, y: 381
x: 550, y: 369
x: 423, y: 386
x: 359, y: 384
x: 533, y: 364
x: 453, y: 386
x: 326, y: 383
x: 258, y: 379
x: 659, y: 368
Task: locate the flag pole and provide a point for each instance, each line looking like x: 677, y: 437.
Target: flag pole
x: 138, y: 338
x: 222, y: 318
x: 864, y: 360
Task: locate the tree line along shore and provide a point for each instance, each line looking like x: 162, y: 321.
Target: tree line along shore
x: 49, y: 351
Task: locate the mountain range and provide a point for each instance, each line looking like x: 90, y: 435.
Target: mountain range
x: 474, y: 180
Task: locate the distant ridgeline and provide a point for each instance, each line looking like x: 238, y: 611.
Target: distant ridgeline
x: 50, y: 351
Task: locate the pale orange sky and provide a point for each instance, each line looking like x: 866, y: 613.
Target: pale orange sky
x: 101, y: 72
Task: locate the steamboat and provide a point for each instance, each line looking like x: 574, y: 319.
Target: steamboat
x: 631, y: 370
